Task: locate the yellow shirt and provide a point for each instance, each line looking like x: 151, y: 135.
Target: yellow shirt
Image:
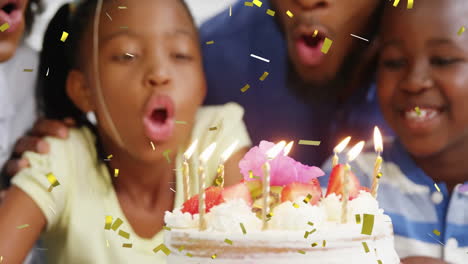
x: 77, y: 208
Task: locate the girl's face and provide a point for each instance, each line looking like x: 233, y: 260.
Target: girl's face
x: 12, y: 24
x: 423, y: 75
x: 151, y: 75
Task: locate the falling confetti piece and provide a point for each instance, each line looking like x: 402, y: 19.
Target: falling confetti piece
x: 410, y: 4
x: 368, y: 224
x: 172, y: 189
x: 124, y: 234
x: 127, y: 245
x: 28, y: 70
x: 379, y: 261
x: 22, y: 226
x: 259, y: 58
x: 310, y: 223
x: 4, y: 27
x: 257, y: 3
x: 289, y: 13
x: 418, y: 110
x: 313, y: 231
x: 228, y: 241
x: 324, y: 243
x: 118, y: 222
x: 122, y: 7
x: 461, y: 30
x: 358, y: 219
x: 109, y: 16
x: 213, y: 256
x: 264, y: 76
x: 181, y: 122
x: 124, y: 27
x: 245, y: 88
x: 270, y: 215
x: 437, y: 187
x: 356, y: 36
x: 47, y: 73
x: 116, y: 172
x: 181, y: 248
x: 309, y: 142
x: 326, y: 45
x: 436, y: 232
x: 152, y: 145
x: 270, y: 12
x: 379, y: 175
x: 110, y: 157
x: 189, y: 255
x: 301, y: 251
x: 52, y: 180
x: 108, y: 224
x: 64, y: 36
x: 213, y: 128
x: 210, y: 42
x: 295, y: 205
x: 230, y: 10
x: 306, y: 234
x: 163, y: 248
x: 166, y: 155
x: 395, y: 4
x: 366, y: 248
x: 307, y: 199
x: 248, y: 3
x: 314, y: 244
x: 167, y: 228
x: 243, y: 228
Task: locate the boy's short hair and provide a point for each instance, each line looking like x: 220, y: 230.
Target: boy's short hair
x: 34, y: 7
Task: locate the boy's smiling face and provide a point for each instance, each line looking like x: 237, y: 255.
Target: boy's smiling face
x: 423, y: 75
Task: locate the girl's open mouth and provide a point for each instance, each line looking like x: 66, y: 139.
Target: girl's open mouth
x: 11, y: 12
x: 309, y: 48
x: 158, y: 120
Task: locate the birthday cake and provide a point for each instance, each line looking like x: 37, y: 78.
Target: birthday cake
x: 302, y: 225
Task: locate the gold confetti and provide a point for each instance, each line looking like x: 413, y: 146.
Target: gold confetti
x: 4, y: 27
x: 309, y: 142
x: 395, y: 4
x: 163, y: 248
x: 124, y: 27
x: 366, y: 248
x: 306, y: 234
x: 295, y: 205
x: 64, y: 36
x: 230, y: 10
x: 213, y: 128
x: 358, y: 219
x: 310, y: 223
x: 213, y: 256
x: 314, y: 244
x: 418, y: 110
x: 129, y: 245
x: 270, y: 215
x: 301, y: 251
x: 210, y: 42
x: 167, y: 228
x: 270, y: 12
x: 410, y: 4
x: 22, y: 226
x: 243, y: 228
x: 313, y: 231
x: 228, y: 241
x: 52, y: 180
x: 189, y: 255
x: 315, y: 33
x: 436, y: 232
x: 379, y: 175
x: 250, y: 174
x: 257, y: 3
x: 245, y: 88
x: 181, y: 122
x: 110, y: 18
x: 124, y: 234
x: 108, y: 224
x: 116, y: 172
x: 324, y: 243
x: 152, y: 145
x: 248, y: 3
x: 28, y: 70
x: 307, y: 199
x: 118, y: 222
x: 289, y: 13
x: 264, y: 76
x: 166, y: 155
x: 326, y: 45
x: 368, y: 224
x: 379, y: 261
x: 122, y: 7
x: 461, y: 30
x: 181, y: 248
x: 437, y: 187
x: 110, y: 157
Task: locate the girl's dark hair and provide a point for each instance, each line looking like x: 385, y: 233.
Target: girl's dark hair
x: 34, y: 7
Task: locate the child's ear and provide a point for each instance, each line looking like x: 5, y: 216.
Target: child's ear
x: 78, y: 91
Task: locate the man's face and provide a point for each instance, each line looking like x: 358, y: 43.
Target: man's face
x: 12, y: 22
x: 332, y: 19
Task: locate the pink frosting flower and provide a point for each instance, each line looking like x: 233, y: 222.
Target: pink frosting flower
x: 284, y: 169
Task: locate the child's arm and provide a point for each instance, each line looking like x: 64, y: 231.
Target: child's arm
x: 21, y: 223
x: 232, y: 173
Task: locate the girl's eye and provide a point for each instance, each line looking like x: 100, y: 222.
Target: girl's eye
x: 125, y: 57
x: 182, y: 56
x: 393, y: 64
x: 443, y: 61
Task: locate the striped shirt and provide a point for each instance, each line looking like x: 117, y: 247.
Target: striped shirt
x: 426, y: 221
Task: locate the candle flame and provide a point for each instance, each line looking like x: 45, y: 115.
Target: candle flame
x: 189, y: 152
x: 288, y: 148
x: 378, y: 145
x: 340, y: 147
x: 274, y: 151
x: 205, y: 156
x: 227, y: 153
x: 354, y: 151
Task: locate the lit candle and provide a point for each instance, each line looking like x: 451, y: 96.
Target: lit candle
x: 224, y: 157
x: 378, y: 146
x: 186, y: 169
x: 338, y: 149
x: 271, y: 154
x: 352, y: 155
x: 204, y: 157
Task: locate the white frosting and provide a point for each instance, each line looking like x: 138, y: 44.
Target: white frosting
x: 332, y: 206
x: 363, y: 204
x: 287, y: 217
x: 227, y: 217
x: 177, y: 219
